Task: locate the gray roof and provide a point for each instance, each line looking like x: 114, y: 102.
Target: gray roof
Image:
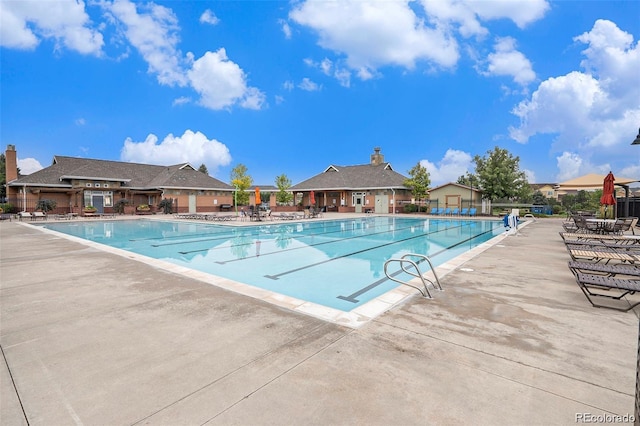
x: 132, y: 175
x: 361, y: 177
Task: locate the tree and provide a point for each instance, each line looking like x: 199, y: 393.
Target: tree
x: 203, y: 169
x: 418, y: 182
x: 46, y: 205
x: 469, y: 180
x: 499, y: 175
x: 241, y: 181
x: 3, y: 176
x: 539, y: 198
x: 283, y: 183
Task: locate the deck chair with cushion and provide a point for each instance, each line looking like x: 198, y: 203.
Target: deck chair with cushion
x: 472, y: 211
x: 604, y: 255
x: 38, y: 215
x: 612, y: 288
x: 464, y: 212
x: 455, y: 211
x: 25, y: 215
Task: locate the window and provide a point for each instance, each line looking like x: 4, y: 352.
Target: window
x: 97, y: 185
x: 88, y: 185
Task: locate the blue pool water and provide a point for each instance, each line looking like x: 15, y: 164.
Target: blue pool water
x: 335, y: 263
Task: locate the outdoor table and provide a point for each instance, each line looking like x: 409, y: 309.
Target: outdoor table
x: 603, y: 225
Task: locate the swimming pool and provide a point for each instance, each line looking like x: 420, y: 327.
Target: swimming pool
x: 334, y: 263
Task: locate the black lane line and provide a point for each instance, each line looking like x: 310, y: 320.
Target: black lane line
x: 303, y: 237
x: 230, y: 236
x: 277, y: 276
x: 352, y: 297
x: 222, y: 262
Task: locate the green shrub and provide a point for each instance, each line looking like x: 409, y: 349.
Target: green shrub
x: 46, y: 205
x: 166, y: 205
x: 120, y: 205
x: 410, y: 208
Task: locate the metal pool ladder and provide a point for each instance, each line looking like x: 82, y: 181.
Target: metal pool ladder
x: 405, y: 263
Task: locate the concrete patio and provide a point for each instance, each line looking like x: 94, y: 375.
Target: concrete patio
x: 94, y: 338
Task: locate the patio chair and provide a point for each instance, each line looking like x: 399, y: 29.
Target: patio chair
x: 607, y: 270
x: 598, y: 245
x: 434, y: 210
x: 609, y: 287
x: 455, y: 211
x: 23, y: 215
x: 464, y: 212
x: 472, y: 211
x: 38, y: 215
x: 447, y: 211
x: 624, y: 224
x: 604, y: 255
x: 440, y: 211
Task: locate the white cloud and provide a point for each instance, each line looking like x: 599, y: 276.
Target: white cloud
x: 25, y: 23
x: 375, y: 34
x: 182, y: 100
x: 29, y: 165
x: 308, y: 85
x: 286, y: 29
x: 192, y: 147
x: 530, y: 175
x: 467, y: 14
x: 507, y: 60
x: 288, y: 85
x: 221, y: 83
x: 154, y: 33
x: 454, y: 164
x: 569, y: 166
x: 595, y: 113
x: 208, y: 17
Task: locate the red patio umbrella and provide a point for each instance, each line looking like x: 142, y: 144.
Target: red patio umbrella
x: 608, y: 199
x: 312, y: 198
x: 607, y: 191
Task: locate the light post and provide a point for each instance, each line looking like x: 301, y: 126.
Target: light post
x: 636, y: 411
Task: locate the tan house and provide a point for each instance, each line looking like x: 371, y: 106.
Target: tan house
x: 547, y: 189
x: 454, y: 195
x: 373, y: 187
x: 74, y: 183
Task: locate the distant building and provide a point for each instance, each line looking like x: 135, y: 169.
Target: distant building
x: 454, y: 195
x: 374, y: 187
x: 74, y: 183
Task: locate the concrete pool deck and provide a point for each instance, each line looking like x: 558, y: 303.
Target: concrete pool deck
x: 90, y: 337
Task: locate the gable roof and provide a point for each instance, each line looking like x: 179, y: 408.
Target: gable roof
x: 474, y: 189
x: 360, y: 177
x: 130, y: 175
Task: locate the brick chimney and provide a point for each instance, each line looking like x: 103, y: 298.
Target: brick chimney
x: 11, y: 163
x: 376, y: 157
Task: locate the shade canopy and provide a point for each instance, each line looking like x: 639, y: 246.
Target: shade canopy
x: 591, y: 181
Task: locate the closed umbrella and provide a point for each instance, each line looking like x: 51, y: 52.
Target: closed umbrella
x: 607, y: 198
x: 312, y: 198
x: 258, y: 201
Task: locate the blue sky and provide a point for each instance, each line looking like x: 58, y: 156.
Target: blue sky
x: 293, y: 87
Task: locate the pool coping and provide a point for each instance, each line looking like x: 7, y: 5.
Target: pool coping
x: 355, y: 318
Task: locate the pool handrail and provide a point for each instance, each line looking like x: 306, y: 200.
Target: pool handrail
x: 404, y: 263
